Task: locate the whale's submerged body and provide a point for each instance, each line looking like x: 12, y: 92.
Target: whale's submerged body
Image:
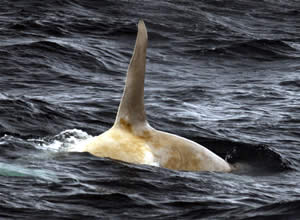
x: 132, y: 139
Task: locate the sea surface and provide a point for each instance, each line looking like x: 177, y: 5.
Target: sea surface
x: 225, y: 74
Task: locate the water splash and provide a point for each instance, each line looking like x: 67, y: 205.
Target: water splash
x: 64, y: 141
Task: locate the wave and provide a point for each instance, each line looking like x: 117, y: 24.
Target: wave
x: 34, y: 117
x: 254, y: 49
x: 277, y: 210
x: 15, y: 170
x: 291, y: 83
x: 46, y: 48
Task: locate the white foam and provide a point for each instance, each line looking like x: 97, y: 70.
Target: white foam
x: 65, y: 141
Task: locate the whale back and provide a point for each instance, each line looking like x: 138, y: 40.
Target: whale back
x: 131, y: 108
x: 131, y: 139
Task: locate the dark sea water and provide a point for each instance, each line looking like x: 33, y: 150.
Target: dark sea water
x: 225, y: 74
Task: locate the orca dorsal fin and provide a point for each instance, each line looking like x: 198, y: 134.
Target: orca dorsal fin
x: 131, y: 108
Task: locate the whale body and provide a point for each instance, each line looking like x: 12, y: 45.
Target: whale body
x: 132, y: 139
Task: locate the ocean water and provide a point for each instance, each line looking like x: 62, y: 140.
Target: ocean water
x: 225, y: 74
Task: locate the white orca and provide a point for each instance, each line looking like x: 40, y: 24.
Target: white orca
x: 132, y: 139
